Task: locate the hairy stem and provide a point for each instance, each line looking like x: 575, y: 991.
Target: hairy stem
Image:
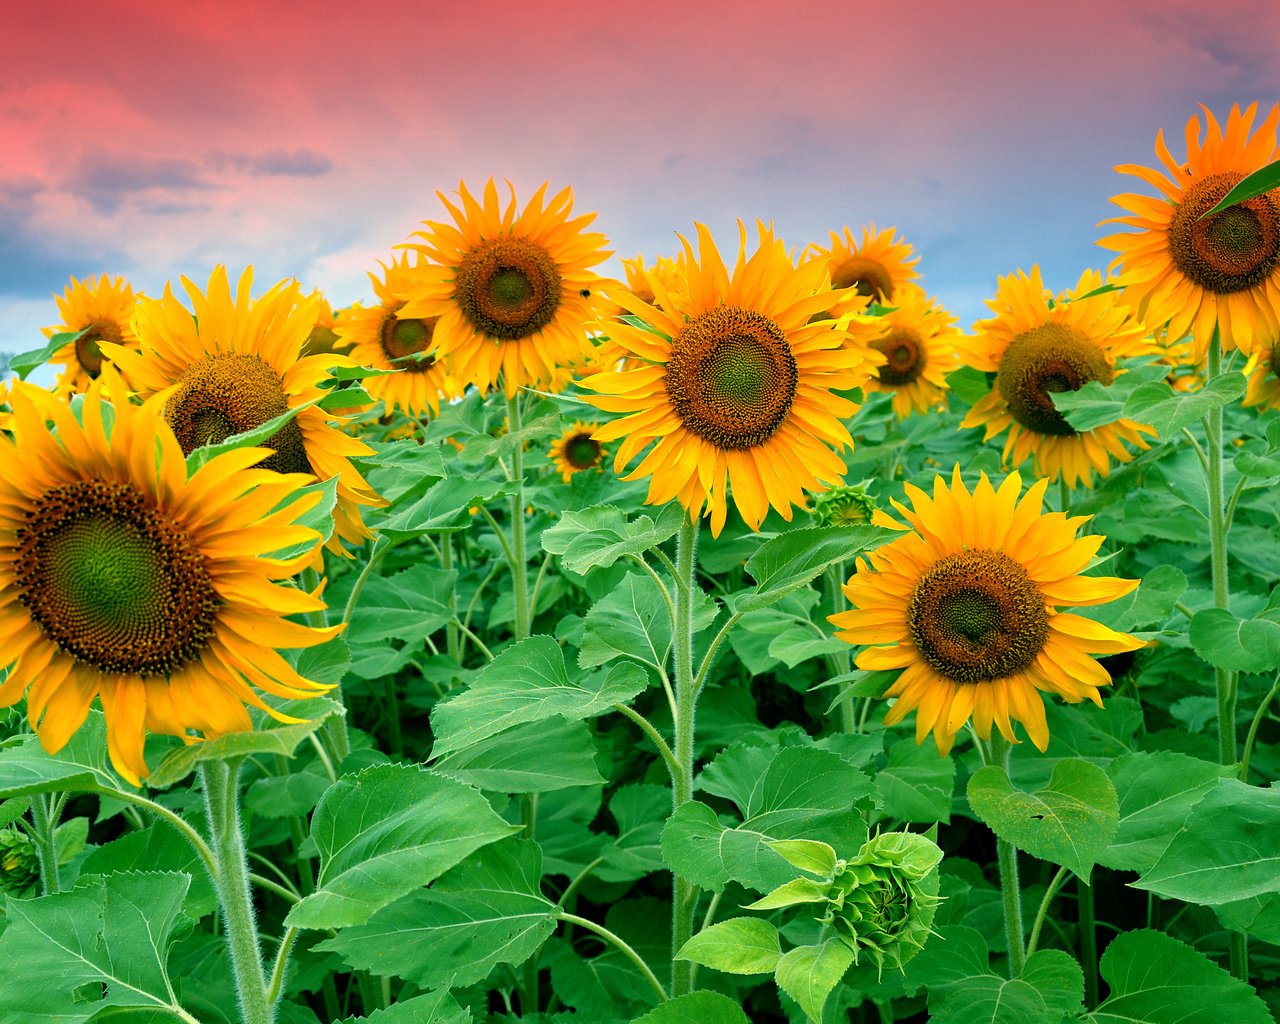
x: 684, y: 893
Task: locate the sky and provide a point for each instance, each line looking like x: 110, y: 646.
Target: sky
x: 152, y: 140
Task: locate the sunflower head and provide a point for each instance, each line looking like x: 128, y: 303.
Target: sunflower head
x: 733, y: 384
x: 1202, y: 274
x: 137, y: 584
x: 845, y: 505
x: 19, y: 863
x: 103, y: 310
x: 231, y: 363
x: 918, y: 340
x: 874, y: 268
x: 577, y: 451
x: 1038, y: 349
x: 323, y: 337
x: 508, y: 291
x: 966, y: 603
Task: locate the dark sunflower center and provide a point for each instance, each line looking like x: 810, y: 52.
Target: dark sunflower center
x: 977, y: 615
x: 1044, y: 361
x: 114, y: 582
x: 581, y: 452
x: 1274, y: 360
x: 870, y: 277
x: 508, y: 288
x: 403, y: 339
x: 1234, y: 249
x: 731, y: 377
x: 905, y: 355
x: 228, y: 394
x: 88, y: 354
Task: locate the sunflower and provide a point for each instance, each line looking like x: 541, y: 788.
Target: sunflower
x: 1222, y: 272
x: 231, y: 364
x: 124, y: 579
x: 669, y: 271
x: 102, y: 309
x: 966, y: 605
x: 323, y: 336
x: 576, y: 450
x: 1037, y: 350
x: 918, y: 340
x: 509, y: 294
x: 734, y: 384
x: 1263, y: 373
x: 875, y: 268
x: 382, y: 338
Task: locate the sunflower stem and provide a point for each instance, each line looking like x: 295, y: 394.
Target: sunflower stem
x: 519, y: 560
x: 1049, y: 894
x: 46, y: 822
x: 452, y: 643
x: 684, y: 893
x: 220, y: 781
x: 833, y: 578
x: 1007, y: 858
x: 621, y: 945
x: 1088, y: 941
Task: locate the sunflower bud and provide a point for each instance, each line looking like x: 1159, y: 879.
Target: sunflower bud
x: 19, y: 862
x: 845, y: 505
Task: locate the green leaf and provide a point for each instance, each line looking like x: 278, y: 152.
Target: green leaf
x: 433, y: 1008
x: 23, y: 363
x: 632, y: 621
x: 916, y: 785
x: 1226, y: 851
x: 1097, y: 404
x: 1152, y: 603
x: 161, y: 848
x: 1253, y: 184
x: 1155, y: 979
x: 964, y: 990
x: 410, y: 605
x: 112, y: 931
x: 808, y: 973
x: 527, y: 682
x: 319, y: 517
x: 267, y: 737
x: 803, y: 643
x: 254, y: 437
x: 741, y: 945
x: 805, y: 793
x: 789, y: 894
x: 486, y: 911
x: 639, y: 811
x: 443, y: 508
x: 81, y: 765
x: 1156, y: 792
x: 386, y: 831
x: 789, y: 561
x: 696, y: 1008
x: 1238, y: 645
x: 970, y: 385
x: 1070, y: 822
x: 535, y: 757
x: 807, y: 855
x: 1168, y: 411
x: 598, y: 536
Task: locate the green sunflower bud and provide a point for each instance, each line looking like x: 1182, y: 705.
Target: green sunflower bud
x: 19, y: 862
x: 884, y: 899
x: 846, y: 505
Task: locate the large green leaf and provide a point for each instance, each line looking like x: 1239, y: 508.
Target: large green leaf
x: 804, y: 793
x: 916, y: 785
x: 161, y: 848
x: 639, y: 811
x: 1238, y: 645
x: 790, y: 560
x: 1097, y: 404
x: 964, y: 990
x: 1168, y: 411
x: 24, y: 362
x: 486, y: 911
x: 81, y: 765
x: 113, y: 931
x: 387, y: 831
x: 632, y: 621
x: 741, y: 945
x: 598, y: 536
x: 255, y: 436
x: 527, y: 682
x: 1253, y: 184
x: 1155, y: 979
x: 1156, y: 792
x: 318, y: 517
x: 1226, y: 851
x: 444, y: 507
x: 534, y: 757
x: 410, y: 605
x: 808, y: 973
x: 433, y: 1008
x: 696, y: 1008
x: 1069, y: 822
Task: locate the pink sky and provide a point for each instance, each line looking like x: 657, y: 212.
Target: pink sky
x: 151, y: 140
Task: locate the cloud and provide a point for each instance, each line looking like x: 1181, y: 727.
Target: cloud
x: 292, y: 163
x: 32, y: 266
x: 106, y: 179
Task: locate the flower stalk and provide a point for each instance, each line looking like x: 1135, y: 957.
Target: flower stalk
x: 684, y: 893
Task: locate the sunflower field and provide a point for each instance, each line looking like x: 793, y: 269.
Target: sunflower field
x: 740, y: 641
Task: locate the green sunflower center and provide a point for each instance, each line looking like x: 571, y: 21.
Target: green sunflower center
x: 870, y: 277
x: 508, y: 288
x: 402, y: 339
x: 228, y: 394
x: 905, y: 354
x: 731, y: 377
x: 977, y: 615
x: 1044, y: 361
x: 1235, y: 249
x: 581, y: 452
x: 88, y: 353
x: 114, y: 582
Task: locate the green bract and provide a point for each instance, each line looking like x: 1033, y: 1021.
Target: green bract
x: 19, y: 862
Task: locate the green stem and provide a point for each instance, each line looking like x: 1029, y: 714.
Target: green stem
x: 519, y: 561
x: 655, y: 737
x: 395, y: 738
x: 1088, y: 941
x: 1049, y: 894
x: 451, y: 644
x: 684, y: 893
x: 197, y: 842
x: 45, y: 822
x: 282, y: 964
x: 1007, y: 857
x: 622, y: 946
x: 221, y: 794
x: 1253, y: 729
x: 834, y: 577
